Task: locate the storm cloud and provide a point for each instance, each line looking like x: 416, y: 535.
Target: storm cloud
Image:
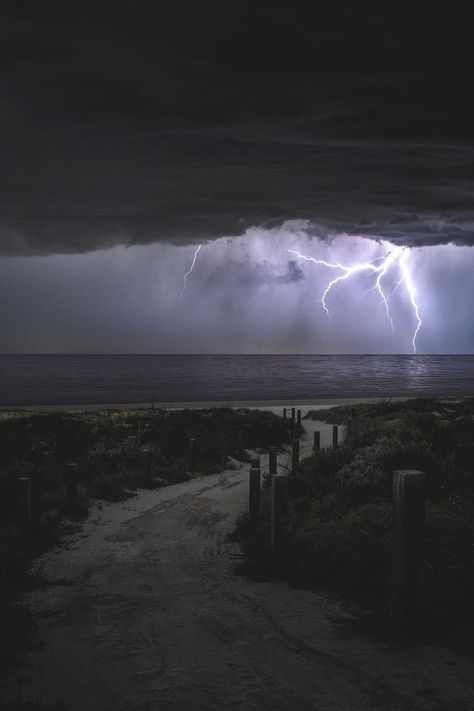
x: 133, y: 123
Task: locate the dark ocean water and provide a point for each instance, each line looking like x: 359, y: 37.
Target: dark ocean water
x: 95, y: 379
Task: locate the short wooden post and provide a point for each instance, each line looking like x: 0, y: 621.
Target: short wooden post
x: 147, y: 464
x: 316, y: 441
x: 335, y: 436
x: 272, y: 462
x: 239, y: 441
x: 254, y: 496
x: 279, y: 510
x: 295, y: 455
x: 24, y: 501
x: 349, y: 428
x: 192, y: 452
x: 71, y: 484
x: 293, y: 413
x: 284, y: 413
x: 408, y: 523
x: 298, y: 418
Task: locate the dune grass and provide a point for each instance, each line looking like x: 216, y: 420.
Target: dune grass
x: 340, y: 525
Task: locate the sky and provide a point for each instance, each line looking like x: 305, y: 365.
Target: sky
x: 131, y: 133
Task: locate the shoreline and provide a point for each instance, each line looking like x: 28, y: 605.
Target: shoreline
x: 206, y: 404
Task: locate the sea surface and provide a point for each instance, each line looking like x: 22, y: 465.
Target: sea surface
x: 114, y: 379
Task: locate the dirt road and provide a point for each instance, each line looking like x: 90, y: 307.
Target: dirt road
x: 156, y: 619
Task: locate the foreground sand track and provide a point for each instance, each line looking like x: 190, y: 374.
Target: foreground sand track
x: 154, y: 618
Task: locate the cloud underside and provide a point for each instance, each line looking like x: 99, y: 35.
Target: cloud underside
x: 220, y: 186
x: 140, y: 123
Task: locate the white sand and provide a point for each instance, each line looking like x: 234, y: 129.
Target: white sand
x: 272, y: 405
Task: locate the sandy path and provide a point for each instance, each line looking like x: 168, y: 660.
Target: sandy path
x: 155, y: 619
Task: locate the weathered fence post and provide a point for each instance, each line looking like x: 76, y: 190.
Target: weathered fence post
x: 192, y: 451
x: 349, y: 430
x: 71, y: 484
x: 24, y: 501
x: 298, y: 418
x: 254, y: 496
x: 408, y: 523
x: 284, y: 413
x: 147, y: 464
x: 295, y: 455
x: 316, y: 441
x: 272, y: 462
x: 293, y: 412
x: 335, y: 436
x: 279, y: 511
x: 239, y: 441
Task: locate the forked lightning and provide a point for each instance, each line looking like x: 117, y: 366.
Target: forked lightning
x: 379, y: 266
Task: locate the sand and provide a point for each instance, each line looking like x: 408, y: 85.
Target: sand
x: 271, y: 405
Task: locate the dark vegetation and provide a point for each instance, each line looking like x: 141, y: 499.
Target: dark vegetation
x: 340, y: 525
x: 115, y: 452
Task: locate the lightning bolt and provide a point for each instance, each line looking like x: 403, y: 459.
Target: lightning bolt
x: 379, y: 266
x: 196, y: 252
x: 407, y: 280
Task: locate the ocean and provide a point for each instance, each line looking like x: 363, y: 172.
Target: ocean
x: 114, y: 379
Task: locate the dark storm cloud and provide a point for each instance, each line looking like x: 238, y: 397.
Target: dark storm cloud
x: 128, y: 123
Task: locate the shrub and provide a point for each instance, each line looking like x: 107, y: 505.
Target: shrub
x: 339, y: 534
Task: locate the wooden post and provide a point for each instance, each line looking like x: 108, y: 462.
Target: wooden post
x: 295, y: 456
x: 192, y: 452
x: 408, y: 523
x: 335, y: 436
x: 279, y: 510
x: 147, y: 465
x: 293, y: 412
x: 239, y: 441
x: 254, y: 496
x: 139, y: 432
x: 298, y: 418
x: 71, y: 485
x: 24, y: 501
x: 272, y: 462
x: 316, y: 441
x: 284, y: 413
x: 349, y: 429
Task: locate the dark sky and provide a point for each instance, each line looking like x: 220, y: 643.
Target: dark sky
x: 129, y: 122
x: 132, y: 132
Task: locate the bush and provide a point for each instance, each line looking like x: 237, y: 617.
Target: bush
x: 111, y: 461
x: 339, y: 533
